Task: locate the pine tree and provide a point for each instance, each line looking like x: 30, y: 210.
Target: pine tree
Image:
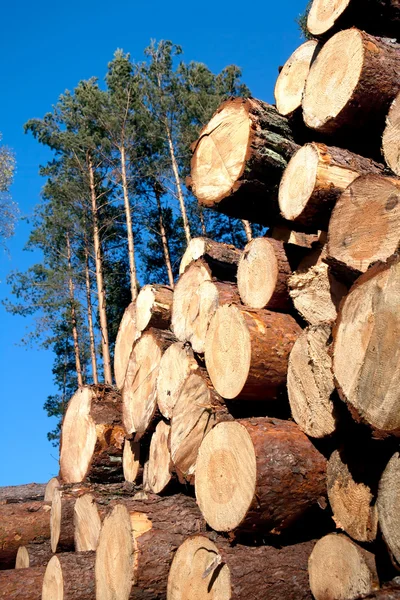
x: 8, y: 209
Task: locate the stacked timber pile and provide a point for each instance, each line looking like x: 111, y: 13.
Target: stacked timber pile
x: 250, y: 446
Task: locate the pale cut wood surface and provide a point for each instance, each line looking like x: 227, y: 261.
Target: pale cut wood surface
x: 127, y: 334
x: 391, y: 137
x: 153, y: 307
x: 388, y: 506
x: 160, y: 463
x: 177, y: 363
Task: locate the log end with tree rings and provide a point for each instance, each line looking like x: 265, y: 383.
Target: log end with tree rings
x: 263, y: 273
x: 87, y: 523
x: 53, y: 581
x: 198, y: 573
x: 298, y: 182
x: 114, y: 567
x: 338, y: 568
x: 160, y: 465
x: 365, y: 365
x: 391, y: 137
x: 290, y: 84
x: 389, y: 506
x: 176, y: 364
x: 310, y: 382
x: 127, y: 334
x: 22, y: 560
x: 353, y: 245
x: 153, y: 307
x: 52, y: 484
x: 324, y: 14
x: 131, y: 460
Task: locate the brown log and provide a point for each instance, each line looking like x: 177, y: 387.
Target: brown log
x: 248, y: 475
x: 20, y: 524
x: 239, y: 158
x: 160, y: 463
x: 70, y: 577
x: 247, y: 351
x: 30, y: 492
x: 21, y: 584
x: 364, y: 227
x: 62, y: 523
x: 207, y: 570
x: 131, y: 460
x: 350, y: 495
x: 221, y: 258
x: 263, y: 274
x: 92, y: 436
x: 380, y: 17
x: 389, y: 591
x: 315, y: 178
x: 197, y: 410
x: 52, y: 484
x: 388, y: 506
x: 33, y: 555
x: 338, y: 568
x: 290, y: 84
x: 139, y: 394
x: 153, y: 307
x: 365, y: 362
x: 391, y: 137
x: 363, y: 72
x: 127, y: 334
x: 310, y: 382
x: 177, y: 363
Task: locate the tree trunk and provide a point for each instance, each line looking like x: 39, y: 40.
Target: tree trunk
x: 365, y: 359
x: 391, y: 137
x: 33, y: 555
x: 222, y: 259
x: 139, y: 394
x: 129, y: 228
x: 90, y: 317
x: 92, y: 436
x: 353, y: 245
x: 75, y: 336
x: 338, y: 568
x: 14, y: 494
x: 153, y: 307
x: 247, y: 352
x: 247, y: 475
x: 247, y: 229
x: 239, y: 158
x: 181, y: 199
x: 160, y: 464
x: 101, y: 292
x: 310, y: 382
x: 22, y: 584
x: 164, y: 241
x: 127, y: 335
x: 388, y: 506
x: 70, y: 577
x: 367, y: 83
x: 315, y: 178
x: 220, y: 571
x: 62, y: 523
x: 290, y: 84
x: 20, y: 524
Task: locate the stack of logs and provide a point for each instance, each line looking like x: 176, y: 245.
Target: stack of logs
x: 250, y: 446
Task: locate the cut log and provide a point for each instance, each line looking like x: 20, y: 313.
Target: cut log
x: 92, y: 436
x: 206, y: 570
x: 263, y: 275
x: 50, y: 487
x: 160, y: 464
x: 389, y: 591
x: 290, y: 84
x: 381, y: 17
x: 338, y: 568
x: 197, y: 410
x: 247, y: 352
x: 127, y: 334
x: 363, y: 71
x: 62, y: 523
x: 153, y: 307
x: 139, y: 394
x: 131, y: 460
x: 70, y: 577
x: 391, y: 137
x: 351, y: 498
x: 31, y: 492
x: 21, y: 584
x: 87, y: 523
x: 365, y: 356
x: 221, y: 258
x: 247, y: 475
x: 239, y: 158
x: 33, y: 555
x: 20, y: 524
x: 388, y: 506
x: 314, y: 179
x: 310, y: 382
x: 177, y: 363
x: 297, y: 238
x: 353, y: 245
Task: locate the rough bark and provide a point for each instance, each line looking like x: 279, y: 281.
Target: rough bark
x: 391, y: 137
x: 247, y: 352
x: 14, y: 494
x: 22, y: 584
x: 153, y: 307
x: 70, y: 577
x: 62, y: 527
x: 239, y: 158
x: 388, y: 506
x: 222, y: 259
x: 389, y: 591
x: 177, y: 363
x: 127, y: 335
x: 92, y: 436
x: 315, y: 178
x: 33, y: 555
x: 297, y: 238
x: 363, y: 71
x: 257, y: 475
x: 353, y: 245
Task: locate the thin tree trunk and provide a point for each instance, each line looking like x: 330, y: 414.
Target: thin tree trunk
x: 202, y: 221
x: 164, y: 240
x: 131, y: 245
x: 247, y: 228
x: 178, y: 186
x: 90, y: 317
x: 75, y: 336
x: 99, y: 279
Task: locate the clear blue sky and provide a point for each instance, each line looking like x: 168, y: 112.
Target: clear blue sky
x: 47, y: 47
